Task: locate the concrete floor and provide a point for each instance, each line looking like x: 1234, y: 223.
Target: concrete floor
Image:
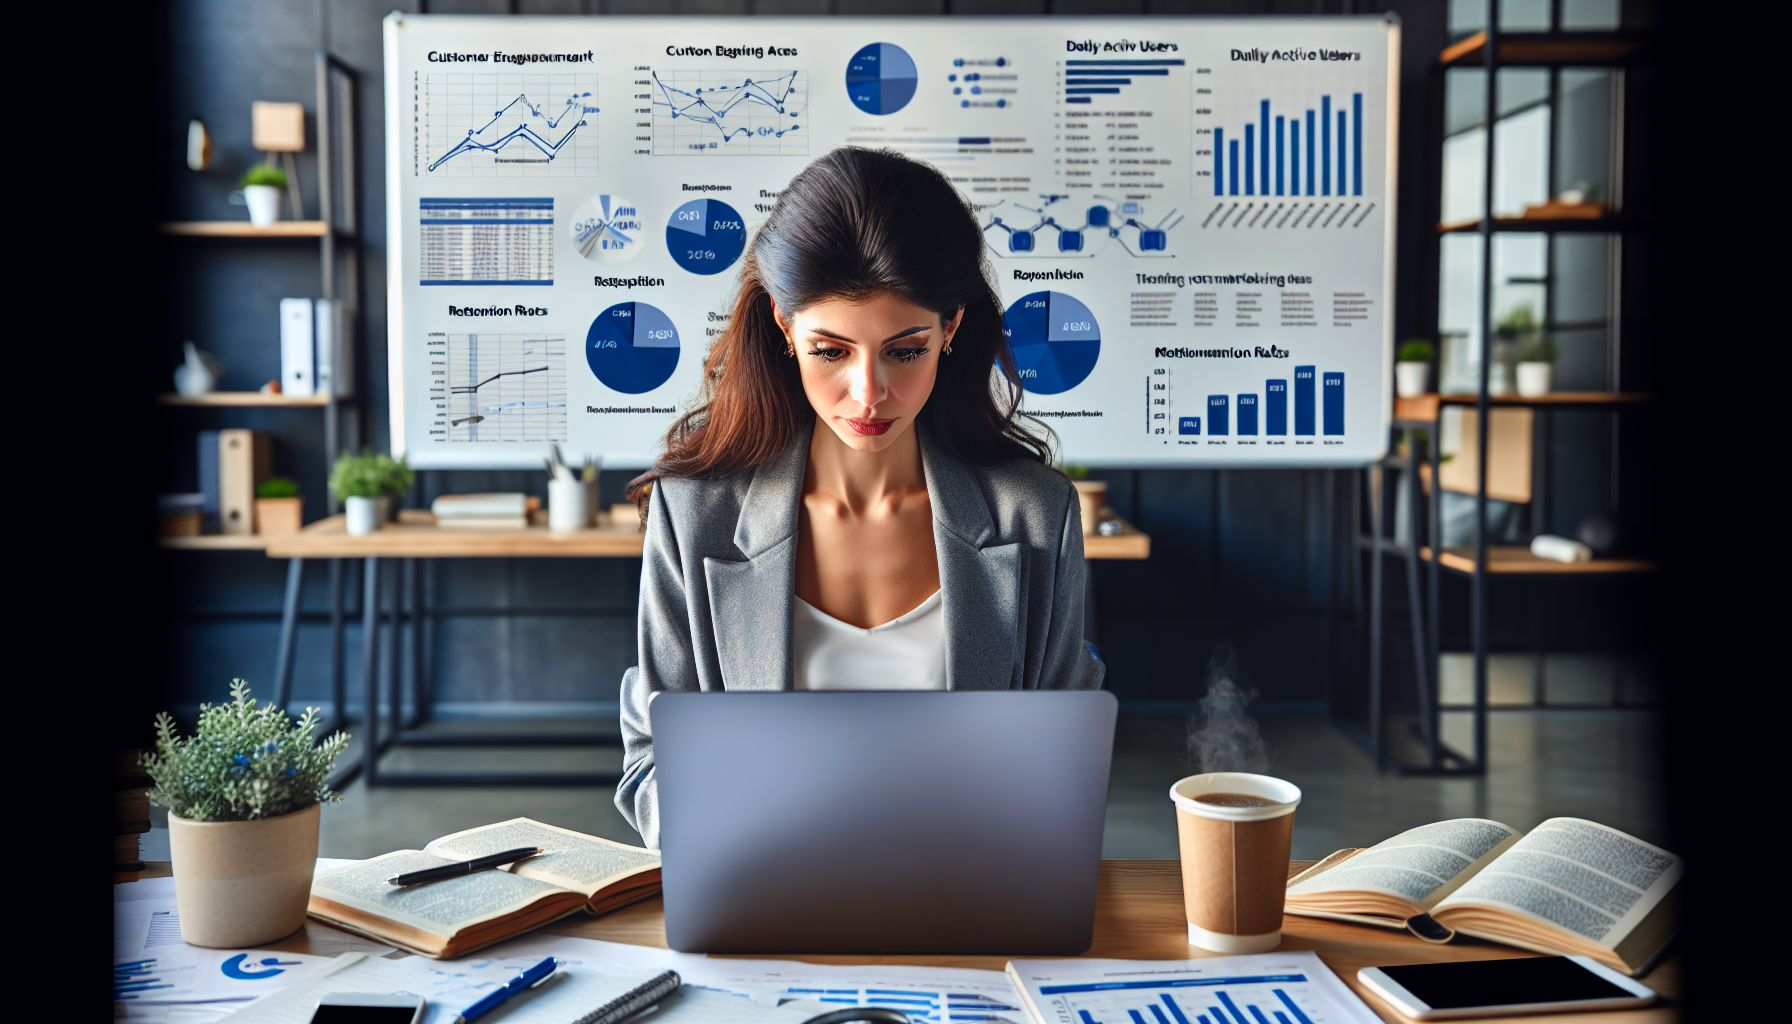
x: 1599, y: 765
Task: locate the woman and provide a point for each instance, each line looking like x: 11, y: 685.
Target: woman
x: 853, y: 504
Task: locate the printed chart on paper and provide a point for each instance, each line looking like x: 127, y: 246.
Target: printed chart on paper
x: 721, y: 113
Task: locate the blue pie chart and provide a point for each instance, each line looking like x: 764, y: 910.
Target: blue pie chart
x: 881, y: 78
x: 632, y: 347
x: 705, y: 236
x: 1055, y: 340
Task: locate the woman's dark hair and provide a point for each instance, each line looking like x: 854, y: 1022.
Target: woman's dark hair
x: 854, y: 224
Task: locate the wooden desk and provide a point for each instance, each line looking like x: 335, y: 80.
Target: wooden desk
x: 1138, y: 916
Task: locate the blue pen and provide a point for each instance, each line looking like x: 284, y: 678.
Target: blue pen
x: 515, y: 986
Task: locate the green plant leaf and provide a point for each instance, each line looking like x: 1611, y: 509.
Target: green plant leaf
x: 263, y: 174
x: 245, y: 761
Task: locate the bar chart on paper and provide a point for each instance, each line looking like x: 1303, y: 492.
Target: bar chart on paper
x: 1265, y: 989
x: 500, y: 387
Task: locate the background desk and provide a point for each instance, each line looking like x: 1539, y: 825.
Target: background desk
x: 1138, y: 916
x: 416, y: 536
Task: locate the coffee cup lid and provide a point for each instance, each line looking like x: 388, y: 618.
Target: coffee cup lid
x: 1285, y: 794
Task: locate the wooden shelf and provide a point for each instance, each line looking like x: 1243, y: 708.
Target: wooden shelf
x: 1129, y: 544
x: 1505, y: 560
x: 1426, y: 408
x: 244, y: 398
x: 244, y: 229
x: 1546, y: 49
x: 217, y: 542
x: 1607, y: 225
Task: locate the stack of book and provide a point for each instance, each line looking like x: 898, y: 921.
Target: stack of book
x: 483, y: 511
x: 130, y: 811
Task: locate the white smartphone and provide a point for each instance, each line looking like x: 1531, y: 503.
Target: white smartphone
x: 1497, y: 988
x: 369, y: 1008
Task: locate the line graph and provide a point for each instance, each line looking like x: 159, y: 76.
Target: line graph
x: 697, y: 113
x: 509, y: 124
x: 501, y: 387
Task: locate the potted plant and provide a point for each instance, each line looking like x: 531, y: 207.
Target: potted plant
x: 262, y: 185
x: 279, y: 511
x: 1518, y: 327
x: 1412, y: 368
x: 359, y: 481
x: 243, y: 795
x: 1536, y: 365
x: 396, y: 478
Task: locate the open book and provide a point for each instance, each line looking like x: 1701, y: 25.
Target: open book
x: 456, y: 916
x: 1570, y: 887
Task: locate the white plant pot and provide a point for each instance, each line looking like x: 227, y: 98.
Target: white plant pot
x: 1534, y: 379
x: 243, y: 883
x: 1410, y: 379
x: 264, y: 204
x: 568, y: 506
x: 365, y: 515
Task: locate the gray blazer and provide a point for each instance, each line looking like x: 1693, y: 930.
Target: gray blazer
x: 718, y: 580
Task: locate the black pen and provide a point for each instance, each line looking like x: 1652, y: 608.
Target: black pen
x: 465, y: 867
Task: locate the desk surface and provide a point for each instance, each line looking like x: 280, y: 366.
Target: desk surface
x: 416, y: 535
x: 1138, y: 916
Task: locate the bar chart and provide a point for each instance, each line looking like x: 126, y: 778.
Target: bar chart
x: 1246, y: 999
x: 1318, y: 409
x: 1086, y: 79
x: 1293, y: 152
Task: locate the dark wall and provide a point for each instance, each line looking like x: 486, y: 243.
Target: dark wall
x: 1261, y: 558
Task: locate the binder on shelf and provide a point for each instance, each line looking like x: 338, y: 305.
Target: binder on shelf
x: 243, y: 461
x: 298, y: 367
x: 208, y: 481
x: 335, y: 359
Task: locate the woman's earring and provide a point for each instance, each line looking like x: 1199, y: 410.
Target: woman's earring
x: 948, y: 348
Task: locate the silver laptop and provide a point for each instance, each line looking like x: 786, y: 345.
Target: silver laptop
x: 966, y: 822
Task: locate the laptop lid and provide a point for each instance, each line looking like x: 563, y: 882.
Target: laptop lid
x: 878, y: 822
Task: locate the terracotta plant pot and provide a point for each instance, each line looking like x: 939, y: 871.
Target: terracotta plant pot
x: 243, y: 883
x: 1092, y: 495
x: 279, y: 517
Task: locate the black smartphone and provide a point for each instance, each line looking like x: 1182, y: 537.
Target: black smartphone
x: 1492, y: 988
x: 369, y: 1008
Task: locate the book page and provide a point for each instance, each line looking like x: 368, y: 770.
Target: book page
x: 1421, y: 865
x: 1576, y: 875
x: 441, y: 908
x: 573, y: 860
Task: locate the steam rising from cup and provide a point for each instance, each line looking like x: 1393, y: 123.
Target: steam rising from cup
x: 1221, y: 737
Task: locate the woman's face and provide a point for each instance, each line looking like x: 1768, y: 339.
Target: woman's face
x: 868, y: 366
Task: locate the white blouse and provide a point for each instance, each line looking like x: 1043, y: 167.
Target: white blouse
x: 906, y: 653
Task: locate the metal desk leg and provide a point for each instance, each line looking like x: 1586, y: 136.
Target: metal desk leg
x: 1420, y: 649
x: 1377, y: 728
x: 338, y: 687
x: 395, y: 649
x: 289, y: 627
x: 413, y: 599
x: 370, y: 668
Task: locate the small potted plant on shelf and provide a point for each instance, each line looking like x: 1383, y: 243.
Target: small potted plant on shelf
x: 359, y: 481
x: 396, y: 477
x: 243, y: 796
x: 1514, y: 331
x: 1412, y: 368
x: 1536, y: 365
x: 262, y: 185
x: 279, y: 510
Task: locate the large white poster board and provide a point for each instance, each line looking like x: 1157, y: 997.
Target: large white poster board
x: 1191, y: 220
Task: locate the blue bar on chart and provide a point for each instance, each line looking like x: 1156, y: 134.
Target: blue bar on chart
x: 1217, y: 416
x: 1188, y: 425
x: 1341, y: 148
x: 1247, y: 415
x: 1234, y: 156
x: 1304, y: 406
x: 1294, y: 156
x: 1281, y: 157
x: 1275, y: 408
x: 1312, y: 141
x: 1263, y: 129
x: 1250, y: 157
x: 1325, y: 145
x: 1086, y: 79
x: 1219, y: 161
x: 1356, y: 143
x: 1334, y: 403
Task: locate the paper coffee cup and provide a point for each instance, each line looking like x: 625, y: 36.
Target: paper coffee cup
x: 1234, y: 860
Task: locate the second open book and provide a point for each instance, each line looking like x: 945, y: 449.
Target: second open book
x: 1570, y: 887
x: 456, y: 916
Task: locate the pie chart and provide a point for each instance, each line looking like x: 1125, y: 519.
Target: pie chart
x: 1055, y: 341
x: 705, y: 236
x: 632, y: 347
x: 607, y: 229
x: 881, y: 78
